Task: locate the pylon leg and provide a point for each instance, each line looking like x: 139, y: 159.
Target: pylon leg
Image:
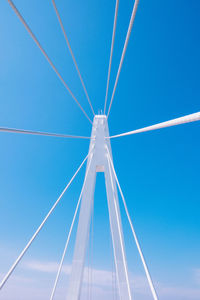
x: 117, y: 235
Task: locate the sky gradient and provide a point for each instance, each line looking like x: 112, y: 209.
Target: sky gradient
x: 158, y: 171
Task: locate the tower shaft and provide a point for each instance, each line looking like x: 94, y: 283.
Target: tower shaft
x: 98, y: 162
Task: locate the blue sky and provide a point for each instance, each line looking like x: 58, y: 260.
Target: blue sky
x: 158, y: 171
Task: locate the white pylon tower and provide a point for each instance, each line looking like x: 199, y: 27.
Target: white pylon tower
x: 98, y: 161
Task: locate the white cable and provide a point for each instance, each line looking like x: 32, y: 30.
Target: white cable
x: 182, y: 120
x: 124, y: 51
x: 120, y: 234
x: 72, y: 55
x: 40, y: 227
x: 152, y: 288
x: 69, y: 235
x: 46, y: 56
x: 14, y: 130
x: 111, y: 52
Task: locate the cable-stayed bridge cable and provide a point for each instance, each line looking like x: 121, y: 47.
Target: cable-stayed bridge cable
x: 69, y: 235
x: 152, y: 288
x: 31, y: 132
x: 178, y: 121
x: 46, y: 56
x: 124, y: 52
x: 111, y: 52
x: 72, y: 54
x: 40, y: 227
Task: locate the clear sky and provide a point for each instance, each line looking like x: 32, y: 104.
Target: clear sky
x: 158, y: 171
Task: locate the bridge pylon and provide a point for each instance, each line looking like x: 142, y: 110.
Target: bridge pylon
x: 99, y: 161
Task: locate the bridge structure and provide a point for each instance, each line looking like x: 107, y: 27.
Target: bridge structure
x: 98, y: 159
